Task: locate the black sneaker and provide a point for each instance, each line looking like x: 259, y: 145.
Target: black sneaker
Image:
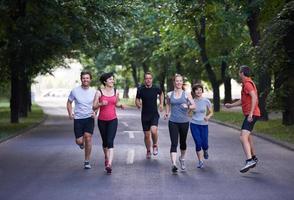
x: 205, y: 154
x: 81, y: 146
x: 174, y: 169
x: 256, y: 161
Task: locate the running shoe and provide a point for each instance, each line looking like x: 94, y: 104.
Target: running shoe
x: 205, y: 154
x: 200, y: 164
x: 249, y: 164
x: 256, y: 161
x: 155, y: 149
x: 87, y: 165
x: 108, y: 169
x: 182, y: 163
x: 174, y: 169
x: 81, y: 146
x: 148, y: 155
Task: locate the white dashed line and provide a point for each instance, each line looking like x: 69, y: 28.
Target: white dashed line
x: 131, y: 133
x: 130, y: 157
x: 125, y: 124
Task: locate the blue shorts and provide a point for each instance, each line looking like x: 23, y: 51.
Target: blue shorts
x: 249, y: 125
x: 82, y: 126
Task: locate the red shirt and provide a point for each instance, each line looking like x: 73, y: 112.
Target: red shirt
x: 248, y: 86
x: 108, y: 112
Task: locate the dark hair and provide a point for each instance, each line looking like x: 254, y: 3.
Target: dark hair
x: 85, y: 72
x: 245, y: 69
x: 147, y: 73
x: 105, y: 76
x: 196, y: 87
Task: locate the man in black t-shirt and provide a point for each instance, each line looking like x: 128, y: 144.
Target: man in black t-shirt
x: 146, y: 99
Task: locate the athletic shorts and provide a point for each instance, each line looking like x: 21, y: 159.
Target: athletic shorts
x: 148, y: 121
x: 82, y: 126
x: 249, y: 125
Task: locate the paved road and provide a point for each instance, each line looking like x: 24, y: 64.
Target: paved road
x: 44, y: 163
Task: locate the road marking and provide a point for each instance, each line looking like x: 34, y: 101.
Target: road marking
x: 125, y: 124
x: 131, y: 133
x: 130, y: 157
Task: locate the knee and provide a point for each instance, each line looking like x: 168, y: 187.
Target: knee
x: 88, y: 138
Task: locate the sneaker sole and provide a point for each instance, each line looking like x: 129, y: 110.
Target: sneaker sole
x: 247, y: 168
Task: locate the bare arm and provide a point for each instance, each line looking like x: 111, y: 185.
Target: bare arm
x: 96, y: 103
x: 209, y: 113
x: 118, y: 105
x: 69, y: 109
x: 161, y: 99
x: 138, y: 103
x: 230, y: 105
x: 253, y: 104
x: 167, y: 107
x: 192, y: 105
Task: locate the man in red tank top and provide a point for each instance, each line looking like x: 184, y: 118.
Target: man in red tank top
x: 249, y: 103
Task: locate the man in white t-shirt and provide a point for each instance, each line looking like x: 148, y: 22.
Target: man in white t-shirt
x: 83, y: 114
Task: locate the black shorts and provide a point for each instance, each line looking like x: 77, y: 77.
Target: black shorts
x: 249, y: 125
x: 148, y: 121
x: 82, y: 126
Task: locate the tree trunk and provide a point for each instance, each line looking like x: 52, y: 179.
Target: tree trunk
x: 135, y: 74
x: 126, y: 89
x: 145, y: 67
x: 227, y: 83
x: 200, y: 34
x: 23, y: 90
x: 29, y: 97
x: 288, y: 113
x: 14, y: 98
x: 263, y: 77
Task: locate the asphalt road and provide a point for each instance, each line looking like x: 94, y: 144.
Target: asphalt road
x: 45, y: 164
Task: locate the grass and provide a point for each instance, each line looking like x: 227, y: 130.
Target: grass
x: 273, y: 127
x: 7, y: 129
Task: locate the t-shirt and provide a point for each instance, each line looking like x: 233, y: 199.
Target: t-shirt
x: 149, y: 99
x: 83, y: 99
x: 248, y: 86
x: 200, y: 111
x: 178, y: 113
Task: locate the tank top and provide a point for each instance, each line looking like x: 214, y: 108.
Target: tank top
x: 179, y: 113
x: 108, y: 112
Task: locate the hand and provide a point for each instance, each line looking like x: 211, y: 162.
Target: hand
x: 122, y: 106
x: 139, y: 105
x: 161, y: 108
x: 165, y: 116
x: 71, y: 116
x: 185, y: 105
x: 104, y: 103
x: 228, y: 105
x: 249, y: 118
x: 93, y: 114
x: 206, y: 118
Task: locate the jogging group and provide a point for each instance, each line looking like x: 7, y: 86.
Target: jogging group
x: 183, y: 110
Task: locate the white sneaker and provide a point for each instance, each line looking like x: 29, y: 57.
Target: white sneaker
x: 249, y: 164
x: 182, y: 163
x: 87, y: 165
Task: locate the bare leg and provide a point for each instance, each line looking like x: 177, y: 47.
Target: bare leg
x: 244, y: 138
x: 253, y: 152
x: 110, y: 154
x: 88, y: 145
x: 173, y: 157
x: 154, y: 132
x: 147, y: 140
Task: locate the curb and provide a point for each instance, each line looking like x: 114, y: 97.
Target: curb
x: 286, y: 145
x: 23, y: 131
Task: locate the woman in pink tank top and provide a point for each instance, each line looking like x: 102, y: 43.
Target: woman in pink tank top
x: 106, y: 100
